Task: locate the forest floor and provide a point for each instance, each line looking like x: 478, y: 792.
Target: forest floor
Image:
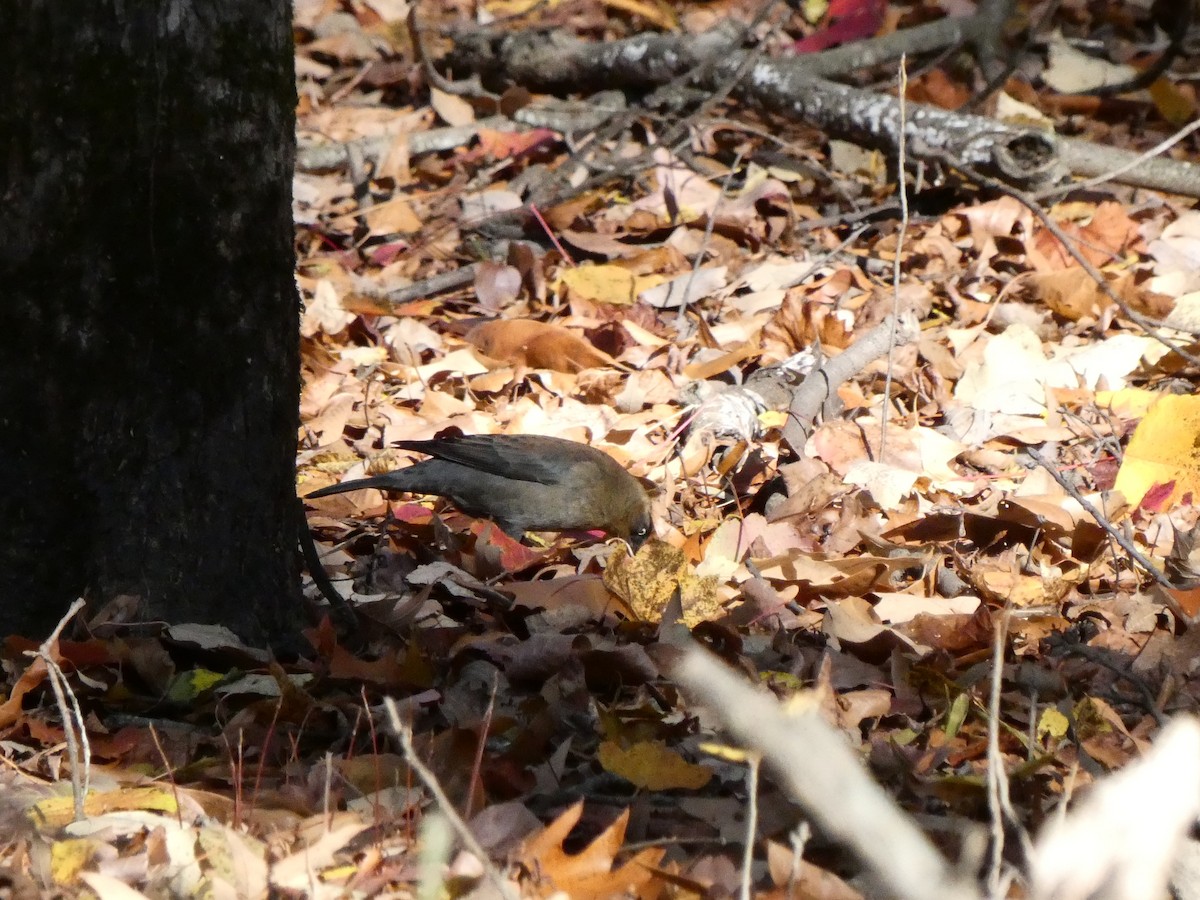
x: 975, y: 487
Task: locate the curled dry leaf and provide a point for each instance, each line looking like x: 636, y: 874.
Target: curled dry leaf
x: 538, y: 345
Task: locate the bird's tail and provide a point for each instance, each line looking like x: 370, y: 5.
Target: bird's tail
x: 382, y: 482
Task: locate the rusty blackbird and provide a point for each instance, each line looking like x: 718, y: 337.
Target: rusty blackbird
x: 522, y: 482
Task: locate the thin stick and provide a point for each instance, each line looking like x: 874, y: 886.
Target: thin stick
x: 326, y: 808
x: 820, y: 384
x: 999, y: 800
x: 170, y: 773
x: 681, y: 315
x: 813, y: 764
x: 1114, y: 533
x: 74, y: 728
x: 75, y: 731
x: 485, y: 726
x: 566, y: 254
x: 753, y: 764
x: 404, y: 734
x: 902, y: 187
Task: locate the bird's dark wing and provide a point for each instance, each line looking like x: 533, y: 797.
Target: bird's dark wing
x: 521, y: 457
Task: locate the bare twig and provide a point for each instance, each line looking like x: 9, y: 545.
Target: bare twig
x: 897, y: 268
x: 1157, y: 150
x: 472, y: 87
x: 1129, y: 827
x: 313, y: 156
x: 1018, y: 154
x: 423, y: 772
x: 1181, y: 20
x: 436, y: 842
x: 170, y: 773
x: 436, y: 284
x: 753, y: 763
x: 999, y: 78
x: 982, y: 30
x: 997, y: 780
x: 1000, y: 808
x: 681, y: 316
x: 74, y: 728
x: 485, y: 726
x: 1113, y: 531
x: 719, y: 92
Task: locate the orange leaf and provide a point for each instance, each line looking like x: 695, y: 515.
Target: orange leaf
x: 502, y: 144
x: 589, y: 873
x: 10, y: 710
x: 524, y: 342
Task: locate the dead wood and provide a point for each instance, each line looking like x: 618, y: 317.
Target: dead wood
x: 1025, y: 157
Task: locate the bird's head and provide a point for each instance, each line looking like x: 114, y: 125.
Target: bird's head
x: 640, y: 529
x: 632, y: 519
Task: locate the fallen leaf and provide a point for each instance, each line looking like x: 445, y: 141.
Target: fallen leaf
x: 589, y: 873
x: 653, y: 766
x: 539, y: 345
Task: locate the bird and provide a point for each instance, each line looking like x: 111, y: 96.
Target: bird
x: 522, y: 482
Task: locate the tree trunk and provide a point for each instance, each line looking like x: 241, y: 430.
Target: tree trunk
x: 149, y: 379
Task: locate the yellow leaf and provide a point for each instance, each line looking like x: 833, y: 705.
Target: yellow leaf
x: 1165, y: 447
x: 55, y: 812
x: 190, y: 685
x: 782, y: 681
x: 771, y: 418
x: 1172, y: 104
x: 1052, y: 723
x: 653, y: 766
x: 607, y: 284
x: 68, y: 858
x: 725, y: 752
x: 1129, y: 403
x: 814, y: 10
x: 648, y: 581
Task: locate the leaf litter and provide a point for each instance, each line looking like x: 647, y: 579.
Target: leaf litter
x: 868, y: 572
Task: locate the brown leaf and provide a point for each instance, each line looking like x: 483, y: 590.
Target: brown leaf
x: 524, y: 342
x: 1070, y: 293
x: 589, y: 873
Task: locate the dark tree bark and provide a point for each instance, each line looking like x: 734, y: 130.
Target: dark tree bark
x: 149, y: 350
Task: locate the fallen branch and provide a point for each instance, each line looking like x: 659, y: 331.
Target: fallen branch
x: 1022, y: 156
x: 820, y: 385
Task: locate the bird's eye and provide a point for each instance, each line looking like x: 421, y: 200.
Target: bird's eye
x: 641, y: 531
